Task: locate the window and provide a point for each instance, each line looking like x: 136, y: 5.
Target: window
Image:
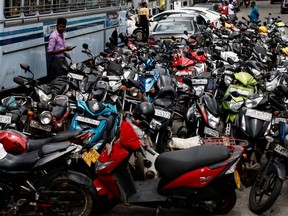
x: 30, y: 7
x: 60, y: 5
x: 92, y: 3
x: 44, y: 6
x: 12, y: 8
x: 77, y: 4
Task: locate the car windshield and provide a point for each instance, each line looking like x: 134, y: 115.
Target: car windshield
x: 173, y: 26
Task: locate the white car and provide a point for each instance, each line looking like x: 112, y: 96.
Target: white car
x: 132, y: 29
x: 212, y: 15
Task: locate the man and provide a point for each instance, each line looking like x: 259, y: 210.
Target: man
x: 254, y: 14
x: 56, y: 48
x: 231, y: 11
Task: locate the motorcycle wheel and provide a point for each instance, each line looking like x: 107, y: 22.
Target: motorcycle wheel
x: 226, y: 200
x: 270, y: 189
x: 65, y: 197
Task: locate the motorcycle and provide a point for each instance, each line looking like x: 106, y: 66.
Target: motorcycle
x: 180, y: 184
x: 268, y: 184
x: 40, y: 183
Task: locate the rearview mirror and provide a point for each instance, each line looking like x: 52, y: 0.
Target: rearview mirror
x: 85, y: 46
x: 230, y: 61
x: 18, y: 80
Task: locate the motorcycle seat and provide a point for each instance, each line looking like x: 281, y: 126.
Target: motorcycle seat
x: 27, y: 160
x: 163, y: 102
x: 176, y: 163
x: 61, y: 136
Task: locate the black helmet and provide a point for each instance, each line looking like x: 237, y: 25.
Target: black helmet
x: 144, y: 111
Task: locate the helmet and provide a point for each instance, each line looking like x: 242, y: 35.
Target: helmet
x: 285, y: 51
x: 263, y: 29
x: 13, y: 141
x: 144, y: 111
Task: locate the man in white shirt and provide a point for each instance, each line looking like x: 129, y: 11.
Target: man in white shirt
x: 231, y: 11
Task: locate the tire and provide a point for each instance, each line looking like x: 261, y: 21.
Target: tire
x: 138, y: 33
x: 271, y: 2
x: 275, y: 186
x: 66, y: 197
x: 226, y: 200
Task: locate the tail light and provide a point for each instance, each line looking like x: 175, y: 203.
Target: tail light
x: 151, y: 41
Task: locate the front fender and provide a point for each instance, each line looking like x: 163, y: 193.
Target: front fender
x: 278, y: 168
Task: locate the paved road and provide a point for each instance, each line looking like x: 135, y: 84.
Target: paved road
x: 280, y: 208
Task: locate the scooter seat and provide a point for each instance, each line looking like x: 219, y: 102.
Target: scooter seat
x: 176, y: 163
x: 59, y: 137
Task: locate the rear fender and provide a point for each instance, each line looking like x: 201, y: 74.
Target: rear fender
x: 83, y: 180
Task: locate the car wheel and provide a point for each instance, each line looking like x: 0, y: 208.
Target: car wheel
x: 138, y: 33
x: 271, y: 2
x: 282, y: 11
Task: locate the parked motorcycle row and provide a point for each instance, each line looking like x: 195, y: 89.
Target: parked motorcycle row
x: 103, y: 133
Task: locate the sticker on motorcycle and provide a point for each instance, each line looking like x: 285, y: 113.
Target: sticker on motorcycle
x: 162, y: 113
x: 211, y: 132
x: 265, y: 116
x: 40, y: 126
x: 237, y: 179
x: 87, y: 120
x: 91, y: 156
x: 5, y: 119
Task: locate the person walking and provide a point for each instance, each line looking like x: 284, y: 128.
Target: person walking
x: 144, y: 21
x: 231, y: 10
x: 56, y: 48
x: 254, y: 14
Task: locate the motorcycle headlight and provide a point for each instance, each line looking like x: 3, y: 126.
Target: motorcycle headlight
x: 80, y: 96
x: 270, y: 86
x: 155, y: 125
x: 42, y: 96
x: 133, y: 91
x: 212, y: 120
x: 255, y: 72
x: 199, y: 90
x: 45, y: 117
x: 235, y: 106
x: 251, y: 103
x: 228, y: 80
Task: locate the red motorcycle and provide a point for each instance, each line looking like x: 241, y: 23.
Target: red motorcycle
x: 202, y: 176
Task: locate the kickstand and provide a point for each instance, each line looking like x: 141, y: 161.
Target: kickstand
x: 158, y: 210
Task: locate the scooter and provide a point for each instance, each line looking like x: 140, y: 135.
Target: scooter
x: 202, y: 176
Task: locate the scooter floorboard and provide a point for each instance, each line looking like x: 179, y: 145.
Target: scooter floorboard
x: 146, y: 192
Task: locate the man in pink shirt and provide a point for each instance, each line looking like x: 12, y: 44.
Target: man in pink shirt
x: 56, y: 49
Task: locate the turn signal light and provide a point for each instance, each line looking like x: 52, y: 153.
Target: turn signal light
x: 123, y: 88
x: 30, y: 113
x: 152, y: 91
x: 276, y: 113
x: 140, y: 95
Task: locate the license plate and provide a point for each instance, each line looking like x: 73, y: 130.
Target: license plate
x: 88, y: 120
x: 211, y: 132
x: 75, y: 76
x: 240, y: 91
x: 91, y: 156
x: 5, y: 119
x: 113, y: 78
x: 162, y: 113
x: 40, y: 126
x: 237, y: 179
x: 281, y: 150
x: 199, y: 81
x: 277, y: 120
x: 265, y: 116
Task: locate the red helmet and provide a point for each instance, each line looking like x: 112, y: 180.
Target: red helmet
x: 13, y: 141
